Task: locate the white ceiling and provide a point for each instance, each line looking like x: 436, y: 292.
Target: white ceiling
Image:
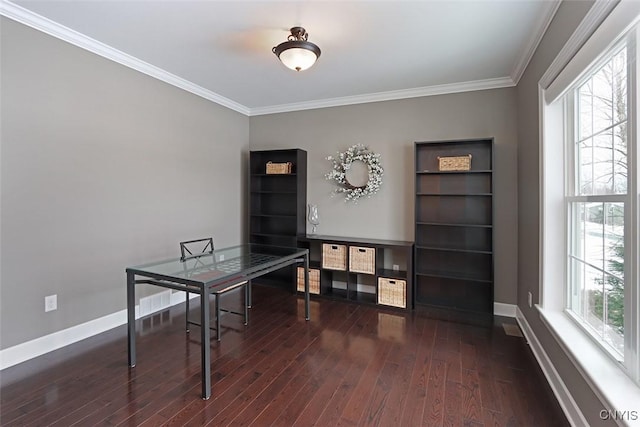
x: 371, y: 50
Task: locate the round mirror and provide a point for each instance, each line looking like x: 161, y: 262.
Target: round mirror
x: 358, y: 174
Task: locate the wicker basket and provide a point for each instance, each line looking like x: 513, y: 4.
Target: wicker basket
x: 278, y: 168
x: 362, y: 260
x: 456, y: 163
x: 392, y: 292
x: 314, y: 280
x: 334, y: 257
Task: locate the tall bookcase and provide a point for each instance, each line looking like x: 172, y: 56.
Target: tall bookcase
x: 454, y: 231
x: 277, y: 205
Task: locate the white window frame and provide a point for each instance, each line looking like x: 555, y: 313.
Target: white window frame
x: 572, y: 196
x: 615, y: 385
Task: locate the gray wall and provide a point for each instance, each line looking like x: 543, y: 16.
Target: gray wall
x: 102, y: 167
x: 391, y: 128
x: 565, y: 22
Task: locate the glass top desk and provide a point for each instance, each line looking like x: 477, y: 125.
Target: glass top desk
x: 205, y: 274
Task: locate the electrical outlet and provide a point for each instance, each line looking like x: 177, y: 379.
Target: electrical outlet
x: 396, y: 267
x: 221, y: 257
x: 50, y: 303
x: 530, y: 298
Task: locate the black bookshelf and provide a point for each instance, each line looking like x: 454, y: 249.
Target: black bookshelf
x: 454, y: 262
x: 277, y: 206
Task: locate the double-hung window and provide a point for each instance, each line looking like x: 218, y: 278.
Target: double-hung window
x: 598, y: 201
x: 590, y: 295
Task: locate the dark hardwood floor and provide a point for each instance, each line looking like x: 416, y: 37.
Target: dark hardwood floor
x: 350, y: 365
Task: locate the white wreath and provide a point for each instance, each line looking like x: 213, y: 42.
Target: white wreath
x: 342, y: 163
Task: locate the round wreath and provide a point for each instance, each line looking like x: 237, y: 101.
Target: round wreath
x: 342, y: 163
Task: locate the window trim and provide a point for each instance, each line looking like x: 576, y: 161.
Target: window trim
x: 598, y: 32
x: 570, y: 114
x: 632, y: 293
x: 603, y: 375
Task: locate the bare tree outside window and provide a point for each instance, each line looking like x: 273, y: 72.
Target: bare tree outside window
x: 597, y: 250
x: 602, y: 130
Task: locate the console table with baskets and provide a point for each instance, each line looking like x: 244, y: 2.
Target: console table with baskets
x: 370, y: 271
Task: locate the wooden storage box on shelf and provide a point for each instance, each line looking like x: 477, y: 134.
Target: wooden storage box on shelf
x: 454, y: 163
x: 392, y: 292
x: 362, y: 260
x: 314, y: 280
x: 334, y: 257
x: 278, y: 168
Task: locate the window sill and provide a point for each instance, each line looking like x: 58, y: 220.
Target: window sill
x: 604, y: 375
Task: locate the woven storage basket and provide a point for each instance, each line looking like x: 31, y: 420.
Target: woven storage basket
x: 278, y: 168
x: 392, y: 292
x: 362, y: 260
x: 334, y: 257
x: 456, y: 163
x: 314, y: 280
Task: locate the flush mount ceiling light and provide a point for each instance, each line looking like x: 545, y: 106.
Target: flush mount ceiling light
x: 297, y: 53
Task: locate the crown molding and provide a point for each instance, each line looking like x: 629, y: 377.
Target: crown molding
x: 40, y: 23
x: 551, y: 7
x: 47, y: 26
x: 387, y: 96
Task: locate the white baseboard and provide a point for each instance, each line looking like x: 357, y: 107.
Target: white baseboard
x: 39, y: 346
x: 28, y: 350
x: 565, y: 399
x: 505, y: 310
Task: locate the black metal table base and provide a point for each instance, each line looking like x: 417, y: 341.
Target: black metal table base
x: 204, y: 289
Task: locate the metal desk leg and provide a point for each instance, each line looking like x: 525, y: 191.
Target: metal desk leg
x: 205, y: 344
x: 306, y: 287
x: 186, y: 316
x: 246, y: 303
x: 131, y: 317
x: 249, y: 298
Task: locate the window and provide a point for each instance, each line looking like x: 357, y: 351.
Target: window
x: 590, y: 224
x: 598, y: 202
x: 589, y: 200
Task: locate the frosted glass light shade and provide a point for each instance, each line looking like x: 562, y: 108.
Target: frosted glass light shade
x: 298, y: 59
x: 297, y: 53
